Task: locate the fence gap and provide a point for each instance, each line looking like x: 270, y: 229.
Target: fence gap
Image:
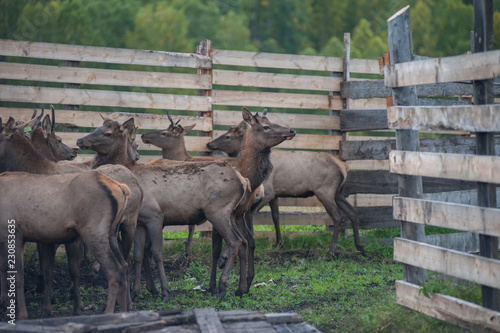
x: 401, y: 50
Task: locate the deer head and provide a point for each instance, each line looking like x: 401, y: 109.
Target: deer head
x: 230, y: 142
x: 48, y: 143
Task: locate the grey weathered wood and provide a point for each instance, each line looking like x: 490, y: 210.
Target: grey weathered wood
x: 376, y: 89
x: 482, y: 41
x: 444, y: 307
x: 274, y: 60
x: 46, y: 95
x: 20, y: 327
x: 401, y: 51
x: 81, y: 75
x: 474, y: 168
x: 479, y: 66
x: 379, y: 149
x: 208, y: 321
x: 272, y: 99
x: 249, y: 327
x: 274, y: 80
x: 474, y: 118
x: 448, y: 215
x: 479, y: 269
x: 363, y: 120
x: 101, y: 54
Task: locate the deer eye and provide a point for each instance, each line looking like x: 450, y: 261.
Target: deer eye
x: 107, y: 134
x: 227, y: 137
x: 59, y: 140
x: 164, y: 133
x: 266, y: 127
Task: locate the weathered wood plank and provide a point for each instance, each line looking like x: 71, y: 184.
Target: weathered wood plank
x: 193, y: 143
x: 93, y: 119
x: 357, y: 89
x: 476, y: 66
x: 368, y: 165
x: 101, y: 54
x: 249, y: 327
x: 452, y: 166
x: 379, y: 149
x: 208, y: 321
x: 103, y: 98
x: 444, y: 307
x: 274, y: 80
x: 474, y: 118
x: 364, y: 66
x: 384, y: 182
x: 309, y: 121
x: 448, y: 215
x: 30, y: 72
x: 276, y: 60
x: 206, y: 226
x: 279, y: 100
x: 99, y: 319
x: 363, y: 120
x: 367, y: 103
x: 479, y: 269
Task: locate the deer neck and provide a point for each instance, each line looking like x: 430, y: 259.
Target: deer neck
x: 22, y: 156
x: 178, y: 154
x: 117, y: 156
x: 254, y: 163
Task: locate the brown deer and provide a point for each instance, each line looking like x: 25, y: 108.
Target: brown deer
x: 46, y: 141
x: 177, y: 193
x: 253, y: 163
x: 60, y: 208
x: 299, y: 174
x: 18, y: 154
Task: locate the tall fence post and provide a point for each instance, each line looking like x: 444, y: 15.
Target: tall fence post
x: 205, y: 49
x: 482, y: 41
x: 401, y: 50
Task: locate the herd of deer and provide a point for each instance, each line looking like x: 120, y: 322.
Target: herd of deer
x: 114, y: 202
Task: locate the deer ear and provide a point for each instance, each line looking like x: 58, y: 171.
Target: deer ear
x: 248, y: 117
x: 10, y: 124
x: 188, y: 128
x: 46, y: 126
x: 128, y: 126
x: 241, y: 128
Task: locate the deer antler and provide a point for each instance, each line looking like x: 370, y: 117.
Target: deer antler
x: 171, y: 120
x: 53, y: 127
x: 265, y: 111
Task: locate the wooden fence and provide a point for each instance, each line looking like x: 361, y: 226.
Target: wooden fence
x: 411, y: 163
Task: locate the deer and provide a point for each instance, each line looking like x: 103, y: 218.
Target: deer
x: 178, y: 193
x: 299, y: 174
x: 60, y: 208
x: 46, y: 141
x: 18, y: 154
x: 253, y: 163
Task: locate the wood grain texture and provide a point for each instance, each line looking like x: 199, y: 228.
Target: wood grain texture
x: 101, y: 54
x: 479, y: 269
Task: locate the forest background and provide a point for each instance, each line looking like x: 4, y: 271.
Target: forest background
x: 307, y: 27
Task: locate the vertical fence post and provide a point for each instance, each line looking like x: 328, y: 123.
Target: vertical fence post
x: 205, y: 49
x: 401, y: 50
x: 482, y: 41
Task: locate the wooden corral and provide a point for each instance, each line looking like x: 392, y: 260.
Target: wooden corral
x: 411, y: 163
x: 172, y: 321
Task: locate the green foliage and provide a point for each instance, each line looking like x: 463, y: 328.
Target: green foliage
x: 465, y: 290
x: 312, y: 27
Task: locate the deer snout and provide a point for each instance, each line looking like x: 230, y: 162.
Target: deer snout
x: 81, y: 144
x: 72, y: 156
x: 144, y: 139
x: 291, y: 135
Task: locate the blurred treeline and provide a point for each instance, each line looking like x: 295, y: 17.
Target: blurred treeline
x: 311, y: 27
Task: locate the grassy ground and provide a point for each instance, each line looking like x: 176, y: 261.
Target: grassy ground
x: 348, y: 293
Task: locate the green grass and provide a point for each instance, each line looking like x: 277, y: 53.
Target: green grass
x: 347, y: 293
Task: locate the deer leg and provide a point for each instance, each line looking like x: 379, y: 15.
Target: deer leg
x: 127, y: 239
x: 216, y: 253
x: 148, y: 272
x: 156, y: 249
x: 331, y: 207
x: 73, y: 253
x: 249, y: 236
x: 275, y: 213
x: 189, y: 243
x: 47, y: 259
x: 347, y: 208
x: 140, y: 240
